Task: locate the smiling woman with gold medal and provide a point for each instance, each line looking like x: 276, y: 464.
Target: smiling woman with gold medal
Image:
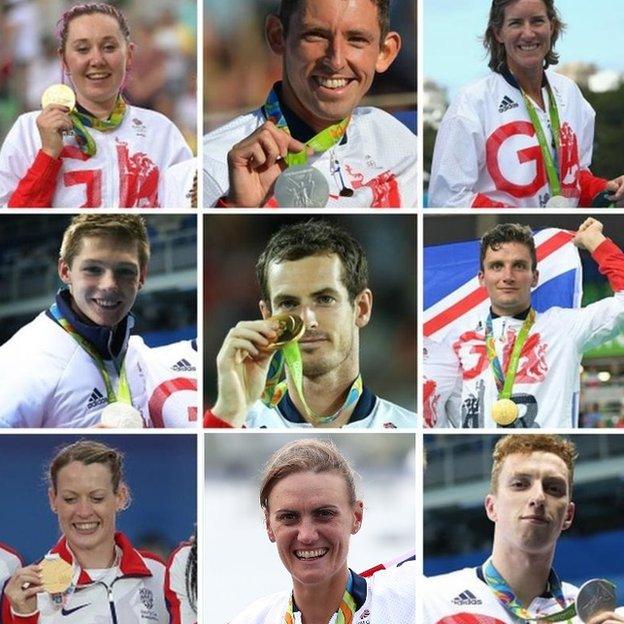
x: 523, y: 135
x: 93, y: 574
x: 88, y: 147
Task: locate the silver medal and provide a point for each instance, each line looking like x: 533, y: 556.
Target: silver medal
x: 557, y: 201
x: 595, y: 596
x: 301, y: 186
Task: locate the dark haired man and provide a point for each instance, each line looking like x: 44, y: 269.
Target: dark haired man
x: 521, y: 368
x: 318, y: 272
x: 362, y: 156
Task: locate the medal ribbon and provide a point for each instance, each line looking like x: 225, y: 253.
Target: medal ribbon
x: 507, y: 598
x: 344, y: 614
x: 553, y: 114
x: 122, y: 394
x: 82, y: 121
x: 504, y: 382
x: 289, y: 356
x: 321, y: 142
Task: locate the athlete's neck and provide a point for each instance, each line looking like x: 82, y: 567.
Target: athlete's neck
x: 98, y: 558
x: 319, y: 601
x: 530, y: 82
x: 525, y: 573
x: 326, y: 394
x: 291, y: 100
x: 101, y: 111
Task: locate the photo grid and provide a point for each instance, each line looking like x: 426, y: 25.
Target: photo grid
x: 274, y: 275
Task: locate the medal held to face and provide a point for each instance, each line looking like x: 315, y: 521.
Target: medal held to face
x: 60, y: 95
x: 505, y: 412
x: 56, y: 574
x: 291, y: 328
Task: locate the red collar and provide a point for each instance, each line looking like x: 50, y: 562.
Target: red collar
x: 131, y: 564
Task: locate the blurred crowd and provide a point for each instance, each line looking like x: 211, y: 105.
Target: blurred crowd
x: 163, y: 76
x: 239, y: 69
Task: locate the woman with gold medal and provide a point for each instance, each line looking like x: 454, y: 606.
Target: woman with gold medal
x: 311, y: 510
x: 88, y: 147
x: 523, y: 135
x: 93, y: 574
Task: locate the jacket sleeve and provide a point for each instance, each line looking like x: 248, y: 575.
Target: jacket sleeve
x: 36, y: 189
x: 604, y: 319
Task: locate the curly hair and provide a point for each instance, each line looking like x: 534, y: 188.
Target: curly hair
x: 508, y: 233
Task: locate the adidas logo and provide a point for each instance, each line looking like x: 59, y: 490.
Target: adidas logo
x: 183, y: 365
x: 96, y: 399
x: 506, y: 104
x: 467, y: 598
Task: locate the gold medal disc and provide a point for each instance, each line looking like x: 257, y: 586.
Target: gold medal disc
x: 58, y: 94
x: 57, y: 575
x: 291, y: 328
x: 505, y: 412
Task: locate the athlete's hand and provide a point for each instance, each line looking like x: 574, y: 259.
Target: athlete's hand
x: 51, y: 123
x: 22, y: 589
x: 255, y: 163
x: 608, y: 617
x: 616, y: 188
x: 589, y: 235
x: 242, y: 366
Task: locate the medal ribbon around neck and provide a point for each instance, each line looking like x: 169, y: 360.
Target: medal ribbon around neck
x: 507, y: 598
x: 82, y: 121
x: 553, y: 114
x: 122, y: 394
x: 505, y: 381
x: 321, y: 142
x: 289, y: 356
x: 344, y: 614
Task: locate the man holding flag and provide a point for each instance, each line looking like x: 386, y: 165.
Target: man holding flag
x: 520, y: 367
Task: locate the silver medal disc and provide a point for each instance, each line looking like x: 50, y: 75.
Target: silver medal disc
x: 595, y: 596
x: 301, y: 186
x: 557, y: 201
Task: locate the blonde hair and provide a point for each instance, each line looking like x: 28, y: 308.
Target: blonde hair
x: 128, y: 227
x: 310, y: 455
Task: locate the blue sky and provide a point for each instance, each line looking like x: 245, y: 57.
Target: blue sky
x: 454, y: 55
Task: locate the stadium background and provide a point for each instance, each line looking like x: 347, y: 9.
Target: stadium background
x: 232, y: 245
x: 163, y: 511
x: 458, y: 534
x: 239, y: 68
x: 164, y: 72
x: 241, y: 565
x: 165, y: 309
x: 602, y: 379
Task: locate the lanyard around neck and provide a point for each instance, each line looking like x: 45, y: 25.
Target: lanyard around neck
x: 289, y: 356
x: 122, y: 394
x: 321, y: 142
x: 504, y: 594
x: 505, y: 380
x: 555, y: 125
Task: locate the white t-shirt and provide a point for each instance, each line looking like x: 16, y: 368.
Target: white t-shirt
x: 124, y: 173
x: 486, y: 145
x: 387, y: 597
x: 377, y: 161
x: 463, y: 592
x: 442, y: 385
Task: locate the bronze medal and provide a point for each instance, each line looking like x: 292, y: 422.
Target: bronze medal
x: 291, y: 328
x: 505, y: 412
x: 56, y: 574
x: 58, y: 94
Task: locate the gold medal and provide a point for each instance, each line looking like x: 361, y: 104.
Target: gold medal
x: 291, y: 328
x: 505, y: 412
x: 58, y: 94
x: 56, y: 574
